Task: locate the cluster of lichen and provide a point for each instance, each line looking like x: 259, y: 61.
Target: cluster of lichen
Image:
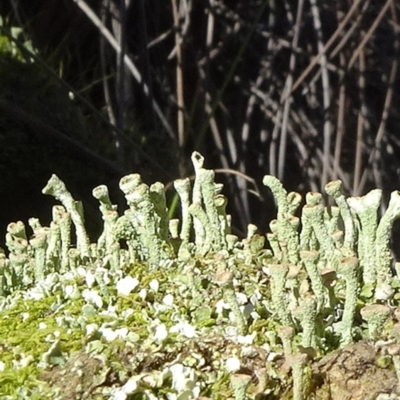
x: 326, y: 280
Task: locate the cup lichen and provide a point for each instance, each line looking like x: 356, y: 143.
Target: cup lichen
x: 160, y: 301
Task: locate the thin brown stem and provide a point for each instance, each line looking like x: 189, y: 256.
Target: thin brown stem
x: 360, y: 126
x: 179, y: 77
x: 370, y: 32
x: 328, y: 44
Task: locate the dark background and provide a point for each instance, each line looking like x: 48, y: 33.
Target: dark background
x: 235, y: 60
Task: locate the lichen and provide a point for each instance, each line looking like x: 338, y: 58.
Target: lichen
x: 168, y: 309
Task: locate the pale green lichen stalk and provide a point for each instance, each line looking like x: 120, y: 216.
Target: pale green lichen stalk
x: 310, y: 259
x: 239, y: 383
x: 334, y: 189
x: 375, y: 315
x: 383, y: 254
x: 286, y: 334
x: 366, y: 209
x: 182, y: 187
x: 348, y: 267
x: 278, y: 274
x: 314, y: 214
x: 56, y: 188
x: 298, y: 362
x: 306, y: 313
x: 224, y: 280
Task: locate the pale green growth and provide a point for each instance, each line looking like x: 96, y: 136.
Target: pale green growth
x: 397, y: 268
x: 273, y: 225
x: 278, y: 274
x: 114, y: 253
x: 221, y: 202
x: 56, y: 188
x: 383, y: 256
x: 225, y: 281
x: 218, y: 187
x: 263, y: 380
x: 35, y: 224
x: 313, y: 198
x: 197, y: 212
x: 274, y: 243
x: 4, y: 264
x: 129, y: 183
x: 17, y: 230
x: 280, y: 194
x: 329, y: 278
x: 284, y: 251
x: 126, y: 257
x: 207, y: 185
x: 255, y: 244
x: 73, y: 257
x: 39, y: 244
x: 63, y: 219
x: 294, y: 201
x: 349, y: 268
x: 94, y: 251
x: 191, y: 281
x: 220, y: 264
x: 366, y: 209
x: 54, y: 355
x: 384, y: 291
x: 315, y: 217
x: 334, y: 189
x: 337, y: 238
x: 291, y: 233
x: 375, y: 315
x: 174, y: 228
x: 306, y: 313
x: 7, y: 277
x: 394, y: 351
x: 147, y: 228
x: 308, y: 240
x: 331, y: 218
x: 239, y: 384
x: 108, y: 237
x: 286, y: 334
x: 182, y: 186
x: 293, y: 285
x: 100, y: 274
x: 18, y: 246
x: 395, y: 332
x: 252, y: 244
x: 53, y: 251
x: 184, y: 252
x: 157, y: 197
x: 302, y: 271
x: 229, y: 221
x: 231, y: 241
x: 101, y: 194
x: 251, y: 230
x: 22, y: 270
x: 197, y: 161
x: 310, y: 260
x: 16, y: 240
x: 124, y: 229
x: 142, y: 217
x: 287, y: 237
x: 109, y: 215
x: 297, y: 363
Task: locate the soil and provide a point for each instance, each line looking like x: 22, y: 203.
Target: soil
x: 353, y: 373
